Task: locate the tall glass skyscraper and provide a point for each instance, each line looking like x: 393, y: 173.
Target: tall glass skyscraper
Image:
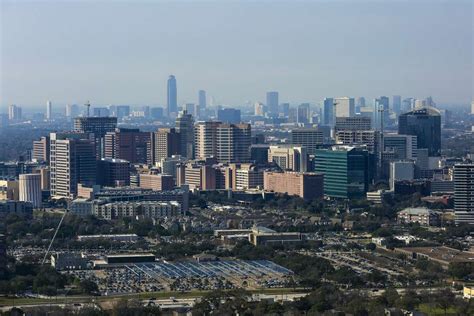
x: 272, y: 102
x: 172, y: 96
x: 425, y: 123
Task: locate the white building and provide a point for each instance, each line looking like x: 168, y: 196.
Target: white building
x: 29, y: 186
x: 345, y: 106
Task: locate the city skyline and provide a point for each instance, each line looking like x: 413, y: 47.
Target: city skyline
x: 396, y: 48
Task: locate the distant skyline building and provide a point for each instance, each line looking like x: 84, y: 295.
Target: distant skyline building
x: 14, y: 112
x: 172, y: 96
x: 272, y: 102
x: 303, y: 113
x: 345, y: 106
x: 328, y: 112
x: 202, y: 100
x: 397, y: 104
x: 229, y: 115
x: 381, y: 112
x: 49, y: 109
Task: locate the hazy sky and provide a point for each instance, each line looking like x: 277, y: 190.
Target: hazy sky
x: 121, y: 52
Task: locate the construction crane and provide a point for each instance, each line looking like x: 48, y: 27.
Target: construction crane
x: 88, y: 106
x: 54, y: 236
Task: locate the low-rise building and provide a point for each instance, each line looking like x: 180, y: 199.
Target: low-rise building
x: 307, y: 185
x: 422, y: 215
x: 263, y: 236
x: 146, y: 209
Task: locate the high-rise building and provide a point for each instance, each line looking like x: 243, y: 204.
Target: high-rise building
x: 307, y: 185
x: 99, y: 126
x: 128, y: 144
x: 225, y: 142
x: 368, y: 138
x: 397, y: 104
x: 360, y: 103
x: 401, y: 170
x: 303, y: 114
x: 272, y: 102
x: 113, y: 172
x: 172, y: 94
x: 233, y: 142
x: 40, y: 150
x: 185, y: 128
x: 329, y: 112
x: 289, y: 157
x: 310, y: 138
x: 346, y: 171
x: 404, y: 146
x: 345, y: 107
x: 72, y: 161
x: 72, y: 110
x: 284, y: 109
x: 166, y: 142
x: 202, y: 100
x: 29, y: 186
x: 100, y: 112
x: 381, y: 111
x: 14, y: 112
x: 229, y: 115
x: 49, y: 109
x: 259, y: 109
x: 425, y: 123
x: 472, y: 107
x: 355, y: 123
x: 464, y: 193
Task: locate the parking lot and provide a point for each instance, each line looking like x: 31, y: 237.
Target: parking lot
x: 187, y: 275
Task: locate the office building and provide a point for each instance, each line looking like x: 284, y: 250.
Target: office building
x: 264, y: 236
x: 72, y: 110
x: 259, y: 109
x: 185, y: 128
x: 229, y: 116
x: 404, y: 146
x: 29, y: 186
x: 169, y: 165
x: 40, y: 151
x: 205, y: 139
x: 355, y: 123
x: 198, y: 176
x: 463, y: 175
x: 100, y: 112
x: 72, y: 161
x: 128, y: 144
x: 272, y: 102
x: 172, y: 96
x: 244, y: 176
x: 166, y: 142
x: 284, y: 109
x: 307, y: 185
x: 401, y: 171
x: 425, y: 123
x: 345, y: 169
x: 259, y: 153
x: 156, y: 113
x: 360, y: 104
x: 113, y: 172
x: 289, y: 157
x: 157, y: 182
x: 9, y: 189
x: 49, y: 109
x: 310, y: 138
x: 329, y: 112
x: 345, y: 107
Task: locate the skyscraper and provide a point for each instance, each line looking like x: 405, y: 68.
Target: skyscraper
x: 166, y: 142
x: 272, y: 102
x: 464, y: 193
x: 14, y: 112
x: 345, y: 169
x: 303, y: 113
x: 185, y: 128
x: 202, y: 100
x: 49, y: 108
x: 345, y: 107
x: 328, y: 112
x: 129, y: 144
x: 172, y: 94
x: 396, y: 104
x: 72, y: 161
x: 310, y: 138
x: 99, y: 126
x: 229, y: 115
x: 381, y: 112
x: 425, y: 123
x: 40, y: 150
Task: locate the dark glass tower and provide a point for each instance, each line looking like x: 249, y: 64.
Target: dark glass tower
x: 172, y: 95
x: 425, y: 123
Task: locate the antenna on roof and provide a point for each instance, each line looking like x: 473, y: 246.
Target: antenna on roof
x: 88, y: 105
